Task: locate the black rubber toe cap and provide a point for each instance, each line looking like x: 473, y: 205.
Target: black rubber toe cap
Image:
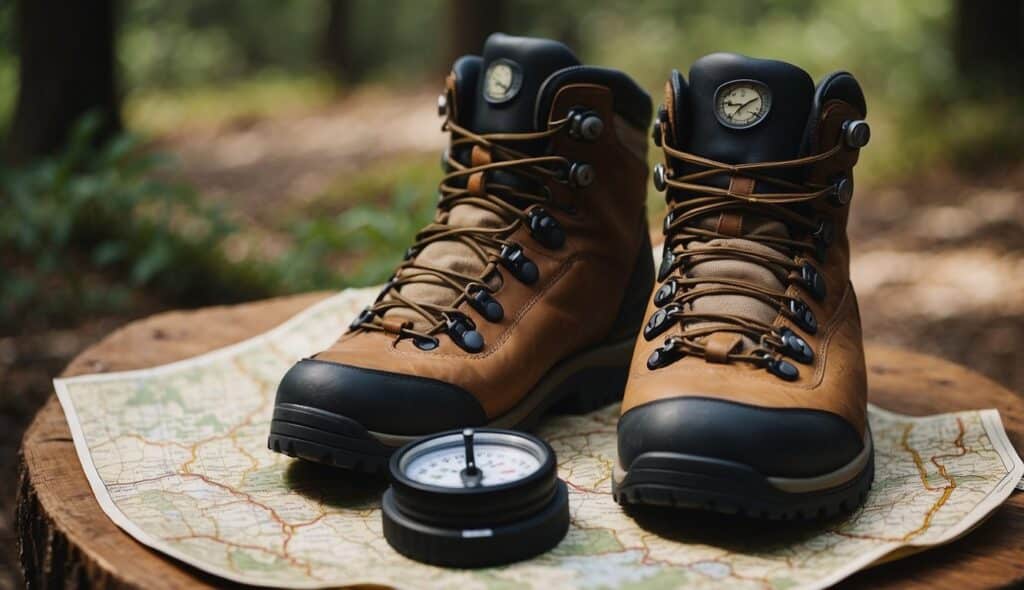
x: 777, y: 442
x: 380, y: 401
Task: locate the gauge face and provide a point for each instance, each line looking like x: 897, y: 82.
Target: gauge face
x: 499, y: 464
x: 742, y: 103
x: 502, y: 81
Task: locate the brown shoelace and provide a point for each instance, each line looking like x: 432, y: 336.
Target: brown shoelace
x: 791, y: 263
x: 486, y: 243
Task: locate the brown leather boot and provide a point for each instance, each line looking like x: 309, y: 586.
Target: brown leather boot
x: 528, y: 288
x: 747, y: 390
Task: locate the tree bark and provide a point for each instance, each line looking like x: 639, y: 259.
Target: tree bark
x: 67, y: 69
x: 469, y: 24
x: 338, y: 51
x: 989, y: 41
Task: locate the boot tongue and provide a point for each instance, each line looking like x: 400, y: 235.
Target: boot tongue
x: 514, y: 69
x: 741, y: 110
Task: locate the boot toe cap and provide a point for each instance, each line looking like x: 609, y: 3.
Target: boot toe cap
x: 777, y: 442
x: 380, y: 401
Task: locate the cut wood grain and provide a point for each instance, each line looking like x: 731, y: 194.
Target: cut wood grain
x: 67, y: 541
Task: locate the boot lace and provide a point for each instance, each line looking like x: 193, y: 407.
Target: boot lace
x: 513, y: 205
x: 790, y: 261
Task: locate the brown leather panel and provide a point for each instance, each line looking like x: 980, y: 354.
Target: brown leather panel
x: 836, y: 382
x: 581, y: 287
x: 670, y: 109
x: 833, y: 114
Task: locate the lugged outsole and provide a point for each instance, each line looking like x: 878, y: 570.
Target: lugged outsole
x: 734, y: 489
x: 323, y: 437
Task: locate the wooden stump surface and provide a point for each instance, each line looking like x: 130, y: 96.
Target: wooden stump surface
x: 67, y: 540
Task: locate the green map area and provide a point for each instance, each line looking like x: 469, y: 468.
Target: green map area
x: 177, y: 457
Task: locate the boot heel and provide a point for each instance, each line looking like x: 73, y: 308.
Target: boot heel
x: 592, y: 389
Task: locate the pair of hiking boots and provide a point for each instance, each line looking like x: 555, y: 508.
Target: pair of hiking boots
x: 739, y: 358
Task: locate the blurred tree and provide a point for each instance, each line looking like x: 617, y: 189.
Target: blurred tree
x: 469, y: 24
x: 66, y: 69
x: 338, y: 48
x: 989, y: 41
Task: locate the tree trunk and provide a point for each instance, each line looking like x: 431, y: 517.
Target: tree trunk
x: 67, y: 69
x: 469, y: 24
x: 337, y: 49
x: 989, y: 41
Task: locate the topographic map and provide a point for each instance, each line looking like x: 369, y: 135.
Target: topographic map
x: 177, y: 457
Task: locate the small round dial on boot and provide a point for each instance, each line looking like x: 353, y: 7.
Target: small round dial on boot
x: 475, y: 498
x: 742, y: 103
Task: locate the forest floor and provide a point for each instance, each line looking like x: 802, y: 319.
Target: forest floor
x: 938, y: 258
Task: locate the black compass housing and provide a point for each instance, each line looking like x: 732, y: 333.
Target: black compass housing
x: 477, y: 526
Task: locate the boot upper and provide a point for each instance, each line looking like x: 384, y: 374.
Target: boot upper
x: 753, y: 306
x: 540, y: 224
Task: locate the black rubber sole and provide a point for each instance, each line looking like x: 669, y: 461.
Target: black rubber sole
x: 702, y: 483
x: 315, y: 435
x: 332, y: 439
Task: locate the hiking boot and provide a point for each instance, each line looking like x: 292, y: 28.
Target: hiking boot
x: 747, y: 390
x: 527, y: 289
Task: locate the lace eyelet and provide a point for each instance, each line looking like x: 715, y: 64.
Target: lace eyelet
x: 802, y: 316
x: 669, y: 218
x: 425, y: 344
x: 585, y: 124
x: 842, y: 192
x: 856, y: 133
x: 795, y: 347
x: 463, y: 332
x: 446, y: 166
x: 658, y: 129
x: 782, y: 369
x: 666, y: 292
x: 660, y: 321
x: 581, y: 175
x: 813, y: 281
x: 521, y: 267
x: 667, y: 260
x: 545, y: 228
x: 664, y: 355
x: 364, y: 316
x: 486, y: 305
x: 660, y: 177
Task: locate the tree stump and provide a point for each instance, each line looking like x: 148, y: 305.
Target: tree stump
x: 67, y: 540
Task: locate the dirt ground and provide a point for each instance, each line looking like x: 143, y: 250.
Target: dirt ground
x: 938, y: 261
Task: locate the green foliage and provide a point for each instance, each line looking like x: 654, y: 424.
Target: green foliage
x: 81, y: 231
x: 373, y: 236
x: 180, y: 44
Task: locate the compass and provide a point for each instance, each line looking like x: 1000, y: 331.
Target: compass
x: 475, y: 498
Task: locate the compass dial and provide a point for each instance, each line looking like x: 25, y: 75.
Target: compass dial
x: 742, y: 103
x: 502, y: 81
x: 474, y: 498
x: 499, y: 464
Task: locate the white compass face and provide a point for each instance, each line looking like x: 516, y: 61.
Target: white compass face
x: 499, y: 464
x: 502, y: 81
x: 742, y: 103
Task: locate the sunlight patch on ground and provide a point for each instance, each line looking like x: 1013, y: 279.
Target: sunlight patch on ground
x: 941, y: 284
